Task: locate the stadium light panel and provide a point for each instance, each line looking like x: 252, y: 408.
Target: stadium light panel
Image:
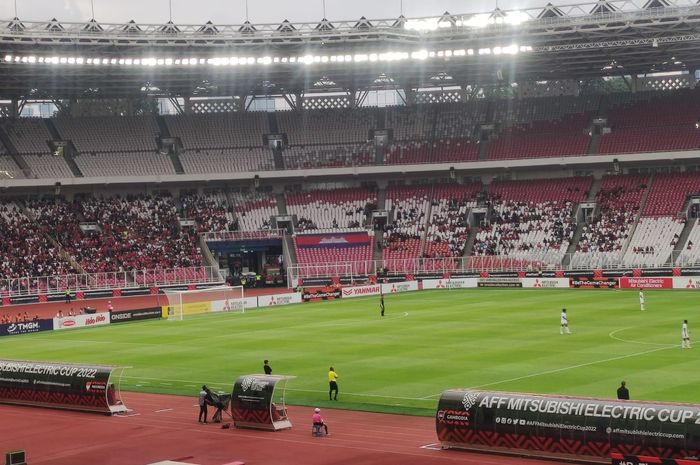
x: 137, y: 61
x: 41, y: 59
x: 8, y: 57
x: 79, y: 61
x: 497, y: 50
x: 251, y: 60
x: 62, y: 60
x: 276, y: 60
x: 168, y: 62
x: 292, y: 59
x: 373, y: 57
x: 422, y: 25
x: 317, y: 59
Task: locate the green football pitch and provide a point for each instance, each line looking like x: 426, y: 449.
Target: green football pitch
x: 428, y: 341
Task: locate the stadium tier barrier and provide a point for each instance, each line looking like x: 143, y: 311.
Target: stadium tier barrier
x: 30, y: 286
x: 582, y: 429
x: 89, y: 388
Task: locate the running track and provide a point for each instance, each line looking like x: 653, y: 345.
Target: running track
x: 165, y: 428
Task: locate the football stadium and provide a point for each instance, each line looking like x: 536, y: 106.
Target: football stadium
x: 423, y: 237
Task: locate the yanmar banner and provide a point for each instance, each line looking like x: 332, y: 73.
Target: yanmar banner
x: 646, y: 283
x: 545, y: 283
x: 361, y: 291
x: 686, y: 282
x: 279, y: 299
x: 81, y: 321
x: 395, y: 288
x: 356, y: 239
x: 455, y: 283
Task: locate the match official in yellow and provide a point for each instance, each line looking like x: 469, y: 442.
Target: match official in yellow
x: 333, y: 384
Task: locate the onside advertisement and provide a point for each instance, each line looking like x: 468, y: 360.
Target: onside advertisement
x: 124, y: 316
x: 566, y: 425
x: 13, y: 329
x: 82, y: 387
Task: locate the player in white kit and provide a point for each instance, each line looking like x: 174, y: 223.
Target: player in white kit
x: 685, y: 335
x: 641, y: 299
x: 564, y: 322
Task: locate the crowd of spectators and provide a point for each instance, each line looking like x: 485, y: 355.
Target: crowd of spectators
x: 25, y: 248
x: 536, y: 230
x: 132, y: 233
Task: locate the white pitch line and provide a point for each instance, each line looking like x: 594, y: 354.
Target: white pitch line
x: 164, y: 410
x: 559, y: 370
x: 611, y: 334
x: 288, y: 389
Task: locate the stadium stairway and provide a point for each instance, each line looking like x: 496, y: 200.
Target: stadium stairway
x: 424, y: 234
x: 593, y: 144
x: 208, y: 257
x: 281, y: 204
x: 70, y: 150
x: 288, y: 251
x: 14, y: 154
x: 642, y: 206
x: 683, y: 238
x: 576, y: 238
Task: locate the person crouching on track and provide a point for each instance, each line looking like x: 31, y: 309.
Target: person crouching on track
x: 318, y: 419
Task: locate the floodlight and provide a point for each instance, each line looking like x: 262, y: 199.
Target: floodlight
x: 8, y: 57
x: 79, y: 61
x: 168, y: 61
x: 373, y: 57
x: 285, y: 59
x: 41, y: 59
x: 251, y: 60
x: 420, y: 55
x: 159, y: 61
x: 276, y: 60
x: 324, y: 59
x: 62, y: 60
x: 24, y: 59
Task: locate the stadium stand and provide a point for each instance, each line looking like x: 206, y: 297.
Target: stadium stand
x: 411, y: 123
x: 653, y: 241
x: 604, y: 238
x: 210, y: 211
x: 135, y: 232
x: 254, y: 210
x: 330, y: 127
x: 8, y: 167
x: 28, y: 135
x: 408, y: 208
x: 151, y: 163
x: 25, y: 249
x: 110, y: 133
x: 651, y: 121
x: 531, y: 221
x: 669, y: 192
x: 230, y: 160
x: 543, y: 127
x: 690, y: 254
x: 330, y: 209
x: 219, y: 130
x: 447, y: 227
x: 328, y: 156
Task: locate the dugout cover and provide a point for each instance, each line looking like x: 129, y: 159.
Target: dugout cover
x: 258, y: 402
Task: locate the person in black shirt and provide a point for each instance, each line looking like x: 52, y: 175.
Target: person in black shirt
x: 267, y: 367
x: 622, y: 392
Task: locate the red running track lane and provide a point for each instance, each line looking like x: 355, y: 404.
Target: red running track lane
x: 165, y: 428
x: 49, y: 309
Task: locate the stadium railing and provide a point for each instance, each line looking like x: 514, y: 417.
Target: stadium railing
x: 48, y: 285
x: 476, y: 264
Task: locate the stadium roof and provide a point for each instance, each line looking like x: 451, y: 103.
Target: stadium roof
x: 581, y: 41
